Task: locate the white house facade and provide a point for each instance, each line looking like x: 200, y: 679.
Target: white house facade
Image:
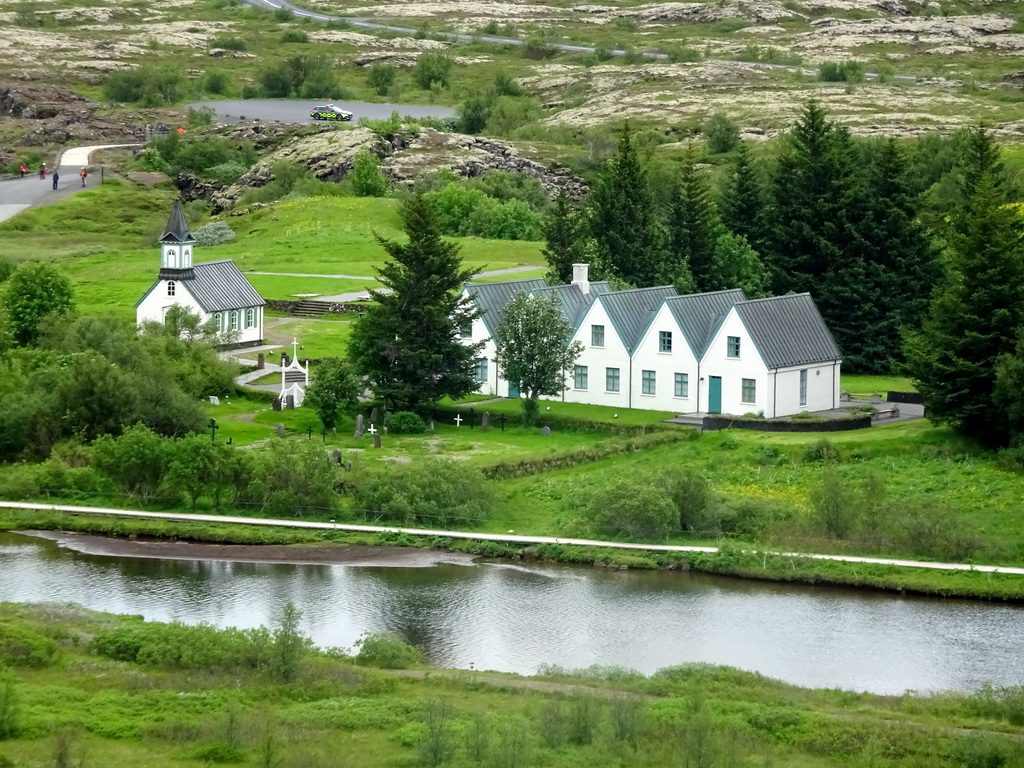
x: 215, y: 290
x: 652, y: 349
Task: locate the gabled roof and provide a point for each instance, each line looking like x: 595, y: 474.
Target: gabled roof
x: 632, y: 311
x: 697, y: 314
x: 492, y: 298
x: 788, y: 330
x: 177, y: 230
x: 572, y: 298
x: 220, y: 285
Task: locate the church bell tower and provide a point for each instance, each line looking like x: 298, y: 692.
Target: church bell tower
x: 176, y: 247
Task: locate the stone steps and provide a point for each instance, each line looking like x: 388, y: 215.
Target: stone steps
x: 311, y: 309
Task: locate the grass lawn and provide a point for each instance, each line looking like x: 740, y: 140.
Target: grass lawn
x: 576, y: 411
x: 865, y: 386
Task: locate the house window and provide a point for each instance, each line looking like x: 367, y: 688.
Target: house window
x: 733, y: 346
x: 170, y: 287
x: 611, y: 379
x: 803, y: 387
x: 220, y: 322
x: 466, y: 329
x: 749, y: 394
x: 597, y: 335
x: 250, y: 318
x: 647, y: 386
x: 580, y: 377
x: 481, y: 369
x: 682, y: 385
x: 664, y: 341
x: 234, y: 320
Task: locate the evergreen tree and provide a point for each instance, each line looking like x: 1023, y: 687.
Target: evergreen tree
x: 979, y: 158
x: 694, y: 227
x: 742, y: 202
x: 974, y: 318
x: 628, y: 237
x: 407, y: 345
x: 563, y: 233
x: 807, y: 229
x: 1009, y: 391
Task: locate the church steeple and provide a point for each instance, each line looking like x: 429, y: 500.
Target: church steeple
x: 176, y: 247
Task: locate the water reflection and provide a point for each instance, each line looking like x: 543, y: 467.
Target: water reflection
x: 514, y: 618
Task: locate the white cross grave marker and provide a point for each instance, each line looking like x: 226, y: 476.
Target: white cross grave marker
x: 371, y: 430
x: 458, y: 420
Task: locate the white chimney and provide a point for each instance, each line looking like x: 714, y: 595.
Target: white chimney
x: 581, y: 277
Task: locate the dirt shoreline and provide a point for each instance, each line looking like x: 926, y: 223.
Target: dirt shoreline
x: 279, y: 554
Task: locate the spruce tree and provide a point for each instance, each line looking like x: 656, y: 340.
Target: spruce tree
x: 742, y: 200
x: 563, y: 233
x: 628, y: 237
x: 407, y: 345
x: 979, y: 158
x: 693, y: 227
x: 974, y: 318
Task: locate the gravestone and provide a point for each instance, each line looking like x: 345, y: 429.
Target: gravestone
x: 336, y: 456
x: 359, y: 425
x: 430, y: 426
x: 348, y: 466
x: 374, y: 414
x: 546, y: 431
x: 384, y: 429
x: 214, y: 400
x: 290, y: 402
x: 284, y: 359
x: 485, y: 421
x: 876, y: 399
x: 376, y: 440
x: 277, y: 403
x: 261, y: 362
x: 280, y: 430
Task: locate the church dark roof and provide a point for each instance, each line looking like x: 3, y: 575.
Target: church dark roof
x: 217, y: 286
x: 177, y: 230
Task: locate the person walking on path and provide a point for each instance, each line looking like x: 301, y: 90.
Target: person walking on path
x: 42, y: 171
x: 83, y: 174
x: 56, y: 177
x: 24, y: 170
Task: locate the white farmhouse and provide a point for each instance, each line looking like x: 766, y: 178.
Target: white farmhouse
x: 214, y: 290
x: 650, y: 348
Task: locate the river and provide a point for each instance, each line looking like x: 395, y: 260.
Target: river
x: 513, y: 618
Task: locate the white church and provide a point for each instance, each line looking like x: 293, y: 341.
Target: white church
x: 215, y: 290
x: 653, y: 349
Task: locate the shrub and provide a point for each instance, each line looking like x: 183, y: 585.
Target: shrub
x: 722, y: 133
x: 21, y: 647
x: 433, y: 67
x: 214, y: 233
x: 148, y: 84
x: 631, y: 509
x: 216, y: 81
x: 405, y: 423
x: 228, y: 43
x: 381, y: 77
x: 752, y: 517
x: 537, y: 48
x: 386, y: 651
x: 823, y: 450
x: 366, y: 177
x: 10, y: 707
x: 841, y: 71
x: 199, y: 118
x: 437, y: 493
x: 276, y: 82
x: 7, y: 267
x: 218, y: 752
x: 294, y: 36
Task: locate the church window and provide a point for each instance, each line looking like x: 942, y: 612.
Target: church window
x: 220, y: 322
x: 250, y: 317
x: 170, y: 287
x: 234, y: 320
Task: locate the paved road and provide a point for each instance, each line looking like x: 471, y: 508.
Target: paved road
x: 509, y: 538
x: 297, y: 111
x: 18, y: 194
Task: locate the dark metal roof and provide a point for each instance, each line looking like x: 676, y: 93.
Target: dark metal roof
x: 220, y: 285
x: 491, y: 298
x: 697, y: 314
x: 177, y: 230
x: 788, y: 330
x: 572, y: 299
x: 632, y: 311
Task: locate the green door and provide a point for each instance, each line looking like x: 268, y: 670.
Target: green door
x: 715, y: 394
x: 513, y: 389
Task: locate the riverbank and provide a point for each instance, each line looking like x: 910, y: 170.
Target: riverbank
x: 936, y: 579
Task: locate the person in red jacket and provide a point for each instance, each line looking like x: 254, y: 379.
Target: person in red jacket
x: 24, y: 170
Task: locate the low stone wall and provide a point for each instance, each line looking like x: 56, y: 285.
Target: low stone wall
x: 333, y: 308
x: 905, y: 397
x: 715, y: 423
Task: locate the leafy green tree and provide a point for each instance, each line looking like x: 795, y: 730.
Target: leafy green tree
x: 433, y: 67
x: 95, y: 397
x: 563, y: 235
x: 974, y: 317
x: 136, y: 462
x: 742, y: 201
x: 289, y: 477
x: 289, y: 645
x: 191, y: 465
x: 408, y: 344
x: 432, y: 493
x: 381, y: 76
x: 366, y: 177
x: 276, y: 82
x: 693, y: 227
x: 32, y: 293
x: 334, y: 388
x: 1009, y: 390
x: 734, y: 264
x: 721, y: 133
x: 630, y: 243
x: 632, y: 510
x: 473, y: 113
x: 534, y: 350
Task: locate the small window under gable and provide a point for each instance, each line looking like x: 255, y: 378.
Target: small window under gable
x: 733, y: 346
x: 597, y: 335
x: 466, y: 329
x: 664, y: 341
x: 170, y: 287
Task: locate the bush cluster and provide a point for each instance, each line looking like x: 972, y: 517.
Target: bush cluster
x: 405, y: 423
x: 214, y: 233
x: 467, y: 208
x: 442, y: 494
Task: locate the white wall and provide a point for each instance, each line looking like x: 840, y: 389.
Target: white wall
x: 157, y: 302
x: 748, y: 365
x: 612, y: 355
x: 822, y: 389
x: 494, y: 386
x: 648, y: 356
